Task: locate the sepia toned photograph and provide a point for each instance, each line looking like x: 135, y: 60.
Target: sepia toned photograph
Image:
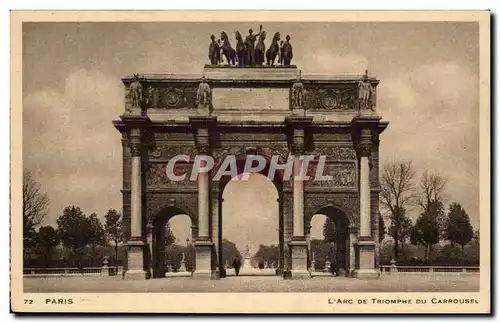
x: 201, y: 158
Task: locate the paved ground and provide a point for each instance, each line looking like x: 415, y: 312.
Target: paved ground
x: 388, y: 283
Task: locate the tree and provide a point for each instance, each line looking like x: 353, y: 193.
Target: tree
x: 399, y: 229
x: 426, y: 229
x: 459, y: 229
x: 73, y: 228
x: 35, y: 207
x: 48, y: 238
x: 96, y: 233
x: 381, y: 228
x: 329, y: 230
x: 114, y: 229
x: 397, y: 192
x: 169, y: 235
x: 229, y: 252
x: 432, y: 188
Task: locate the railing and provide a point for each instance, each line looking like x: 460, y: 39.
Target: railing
x: 395, y: 269
x: 86, y: 271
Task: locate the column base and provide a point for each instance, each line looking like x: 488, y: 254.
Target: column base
x: 135, y: 260
x: 366, y: 250
x: 203, y: 250
x: 299, y: 259
x: 301, y: 274
x: 136, y: 274
x: 366, y: 274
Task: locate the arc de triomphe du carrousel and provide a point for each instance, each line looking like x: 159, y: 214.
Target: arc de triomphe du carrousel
x: 241, y: 109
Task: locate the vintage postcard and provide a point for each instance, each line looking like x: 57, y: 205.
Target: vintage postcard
x: 250, y: 162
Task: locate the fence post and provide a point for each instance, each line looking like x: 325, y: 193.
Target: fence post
x: 431, y: 269
x: 393, y: 268
x: 464, y: 270
x: 105, y: 268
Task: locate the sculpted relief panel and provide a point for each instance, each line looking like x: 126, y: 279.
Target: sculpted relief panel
x: 335, y: 99
x: 342, y: 175
x: 169, y: 97
x: 156, y: 175
x: 336, y: 153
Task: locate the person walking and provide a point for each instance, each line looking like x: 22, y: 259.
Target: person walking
x: 237, y: 265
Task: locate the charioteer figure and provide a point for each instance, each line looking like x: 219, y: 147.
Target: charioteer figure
x: 250, y: 46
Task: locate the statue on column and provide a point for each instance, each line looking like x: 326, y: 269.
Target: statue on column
x: 365, y: 93
x: 274, y: 50
x: 287, y: 52
x: 214, y: 51
x: 133, y: 104
x: 250, y: 46
x: 204, y: 95
x: 298, y: 93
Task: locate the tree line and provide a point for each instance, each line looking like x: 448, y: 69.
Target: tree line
x: 74, y: 230
x: 402, y: 191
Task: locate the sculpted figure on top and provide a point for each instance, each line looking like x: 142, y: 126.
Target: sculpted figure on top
x: 247, y: 53
x: 365, y: 93
x: 134, y: 97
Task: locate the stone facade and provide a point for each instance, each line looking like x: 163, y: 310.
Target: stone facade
x: 170, y: 123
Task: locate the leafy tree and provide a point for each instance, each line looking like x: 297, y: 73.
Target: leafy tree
x: 399, y: 229
x: 96, y: 233
x: 35, y: 207
x: 426, y: 229
x: 329, y: 230
x: 48, y: 238
x: 73, y: 228
x: 381, y: 228
x: 459, y: 228
x: 268, y: 254
x: 229, y: 252
x: 169, y: 235
x: 113, y: 226
x: 397, y: 192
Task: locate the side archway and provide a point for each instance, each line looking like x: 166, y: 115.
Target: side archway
x: 157, y: 238
x: 335, y: 245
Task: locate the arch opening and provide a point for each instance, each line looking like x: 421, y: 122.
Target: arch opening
x: 250, y: 225
x: 172, y: 247
x: 328, y: 241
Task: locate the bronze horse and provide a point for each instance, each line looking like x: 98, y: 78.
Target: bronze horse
x: 240, y: 49
x: 227, y: 50
x: 273, y: 50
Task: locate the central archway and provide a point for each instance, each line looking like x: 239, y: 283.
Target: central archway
x: 250, y: 219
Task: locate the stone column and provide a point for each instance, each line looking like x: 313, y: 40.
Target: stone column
x: 203, y: 245
x: 353, y: 240
x: 298, y: 245
x: 149, y: 241
x: 366, y: 243
x: 136, y: 246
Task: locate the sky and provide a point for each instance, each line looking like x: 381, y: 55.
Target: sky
x: 429, y: 79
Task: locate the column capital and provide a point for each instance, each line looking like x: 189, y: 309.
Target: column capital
x: 202, y: 126
x: 298, y: 125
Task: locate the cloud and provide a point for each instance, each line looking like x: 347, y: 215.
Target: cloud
x: 433, y: 115
x: 327, y: 62
x: 71, y: 145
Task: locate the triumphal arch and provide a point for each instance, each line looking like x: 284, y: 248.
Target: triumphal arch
x: 251, y: 111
